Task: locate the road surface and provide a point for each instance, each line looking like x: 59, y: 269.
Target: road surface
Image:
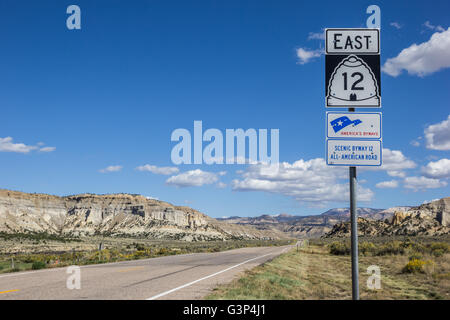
x: 188, y: 276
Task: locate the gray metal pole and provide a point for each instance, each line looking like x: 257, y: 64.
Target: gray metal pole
x: 354, y: 234
x: 354, y: 230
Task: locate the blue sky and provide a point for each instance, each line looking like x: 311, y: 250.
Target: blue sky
x: 77, y: 102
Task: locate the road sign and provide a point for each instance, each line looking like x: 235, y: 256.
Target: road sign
x: 352, y: 68
x: 353, y: 152
x: 352, y: 41
x: 352, y: 81
x: 354, y: 125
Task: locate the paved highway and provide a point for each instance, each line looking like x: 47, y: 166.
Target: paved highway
x: 188, y: 276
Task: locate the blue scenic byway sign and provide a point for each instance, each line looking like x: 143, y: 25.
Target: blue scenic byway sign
x: 353, y: 125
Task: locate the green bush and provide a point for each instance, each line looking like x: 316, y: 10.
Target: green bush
x: 391, y: 248
x: 163, y: 251
x: 139, y: 247
x: 366, y: 248
x: 339, y: 248
x: 438, y: 252
x: 38, y: 265
x: 441, y: 247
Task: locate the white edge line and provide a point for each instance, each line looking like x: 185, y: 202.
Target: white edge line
x: 204, y: 278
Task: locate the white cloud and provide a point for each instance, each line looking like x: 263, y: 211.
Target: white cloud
x: 158, y: 170
x: 415, y: 143
x: 422, y: 59
x: 428, y: 25
x: 396, y: 25
x: 7, y: 145
x: 394, y: 162
x: 387, y: 184
x: 221, y: 185
x: 111, y: 169
x: 399, y: 174
x: 438, y: 135
x: 422, y: 183
x: 317, y: 35
x: 306, y: 55
x: 438, y: 169
x: 47, y: 149
x: 310, y: 181
x: 194, y: 178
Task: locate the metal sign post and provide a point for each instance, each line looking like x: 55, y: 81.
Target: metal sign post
x: 354, y: 230
x: 354, y: 234
x: 352, y: 80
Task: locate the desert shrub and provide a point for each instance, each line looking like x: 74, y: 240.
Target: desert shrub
x: 418, y: 247
x: 440, y: 247
x: 29, y: 259
x: 38, y: 265
x: 139, y: 254
x: 438, y: 252
x: 415, y: 256
x: 339, y: 248
x: 163, y: 251
x: 367, y: 248
x: 139, y: 247
x: 390, y: 248
x: 415, y: 265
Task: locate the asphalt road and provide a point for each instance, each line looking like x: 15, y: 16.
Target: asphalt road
x: 188, y: 276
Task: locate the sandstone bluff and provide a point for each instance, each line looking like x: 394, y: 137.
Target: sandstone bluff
x: 115, y: 215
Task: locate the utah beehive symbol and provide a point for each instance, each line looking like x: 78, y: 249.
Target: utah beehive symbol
x: 353, y: 83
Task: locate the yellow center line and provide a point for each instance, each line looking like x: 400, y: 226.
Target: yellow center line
x: 131, y: 269
x: 8, y: 291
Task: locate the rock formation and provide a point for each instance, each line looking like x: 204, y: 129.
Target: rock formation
x: 429, y: 219
x: 115, y: 215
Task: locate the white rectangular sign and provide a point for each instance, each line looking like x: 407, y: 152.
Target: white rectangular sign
x: 354, y: 152
x: 354, y: 125
x: 352, y: 41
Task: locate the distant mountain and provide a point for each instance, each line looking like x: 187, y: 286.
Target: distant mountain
x: 431, y: 219
x: 308, y: 226
x: 346, y: 211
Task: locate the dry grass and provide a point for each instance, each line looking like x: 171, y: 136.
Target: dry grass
x: 314, y: 273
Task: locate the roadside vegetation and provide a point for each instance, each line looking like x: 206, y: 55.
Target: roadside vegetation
x: 410, y: 269
x: 83, y: 251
